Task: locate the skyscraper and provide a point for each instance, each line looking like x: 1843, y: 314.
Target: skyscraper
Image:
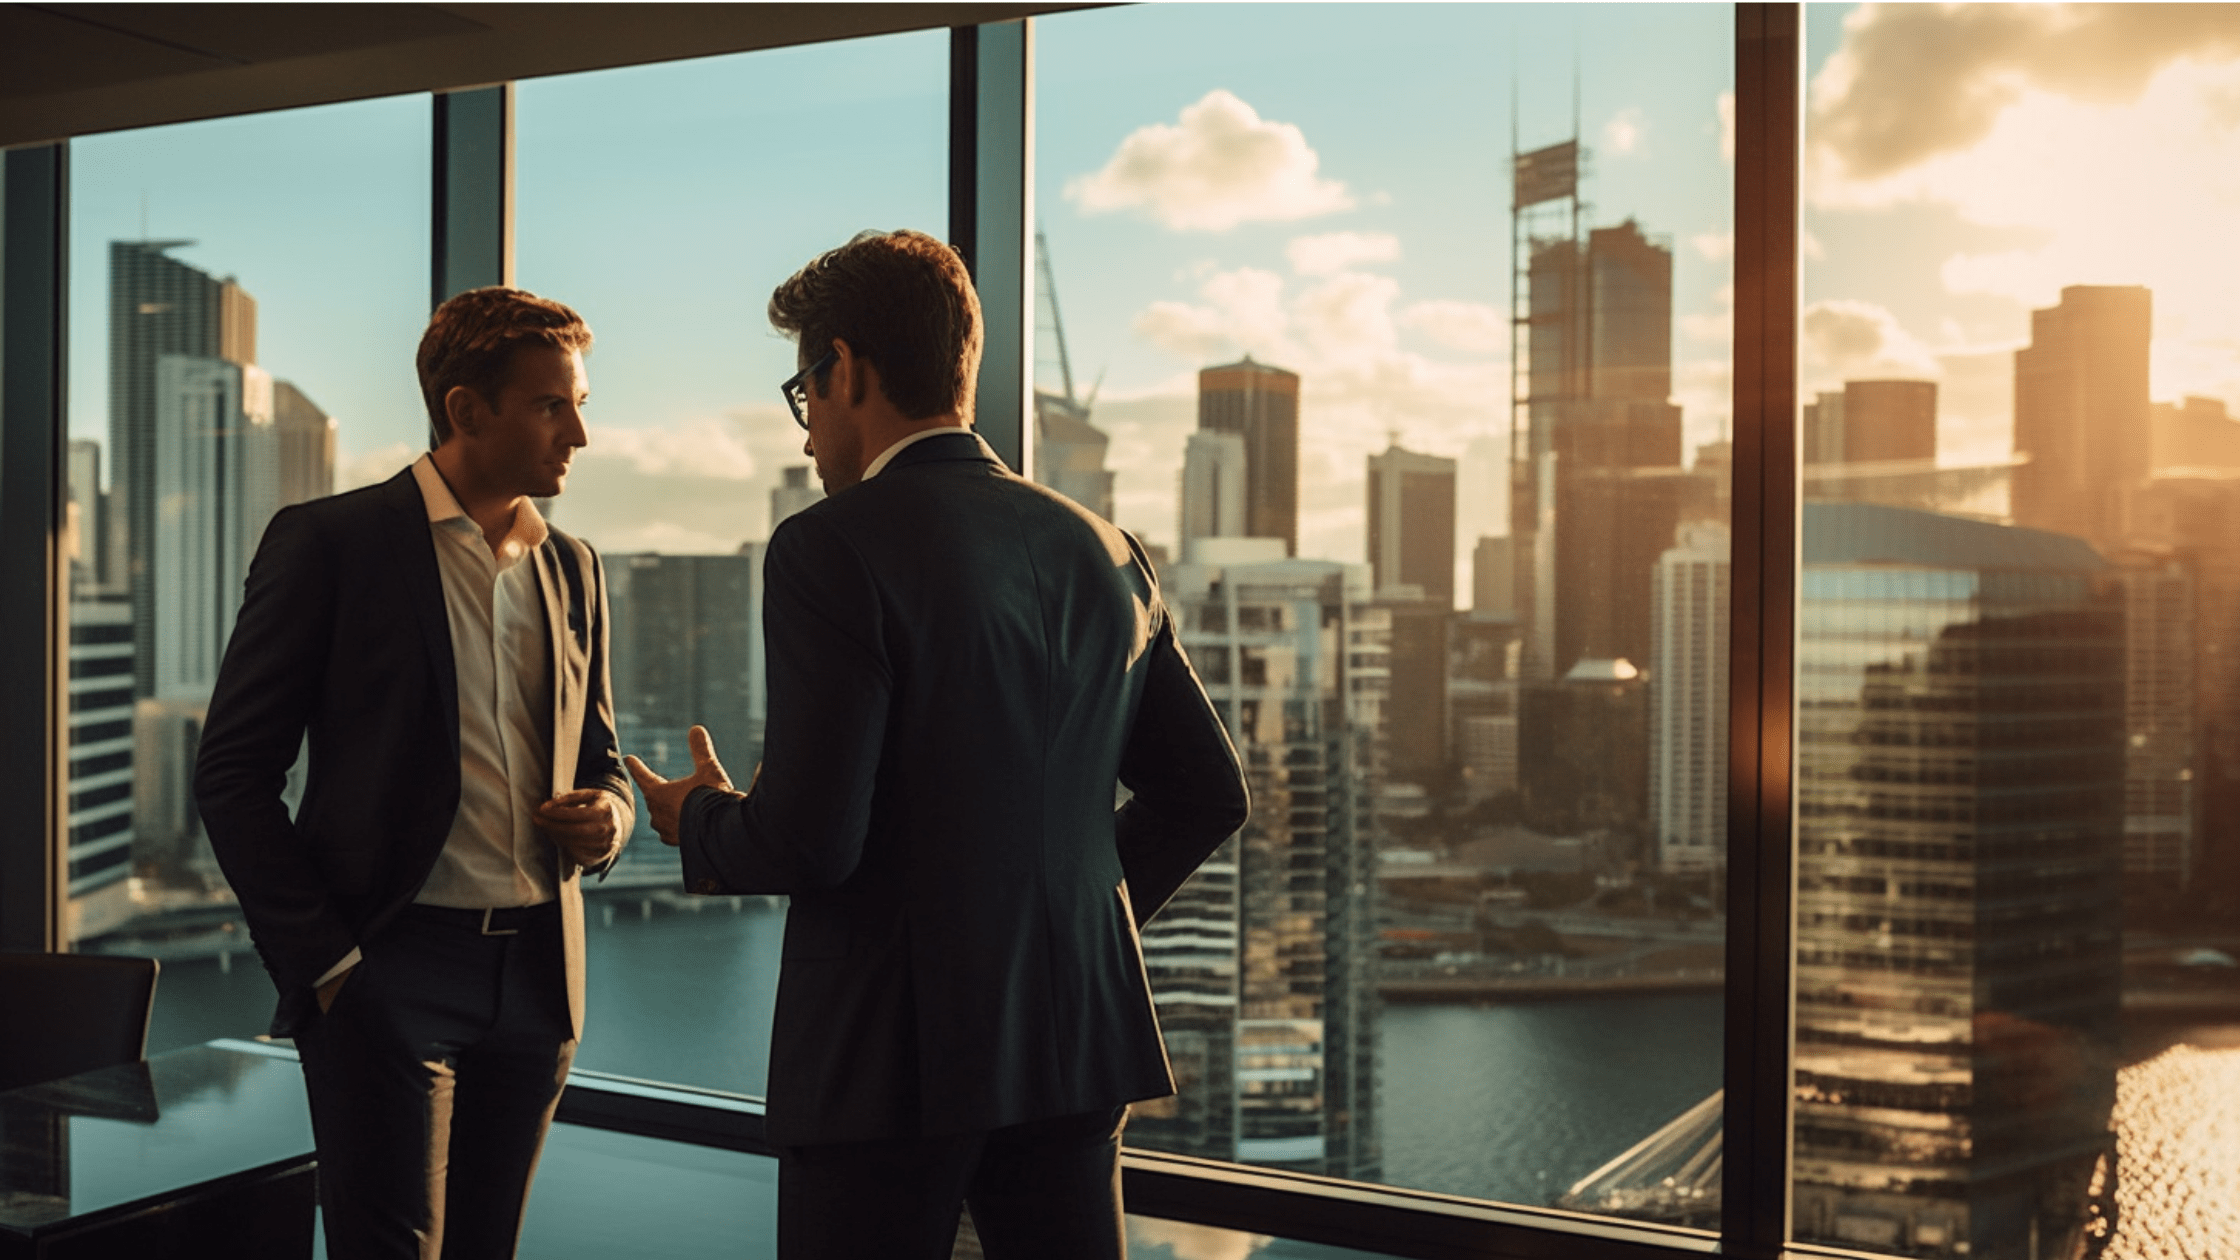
x: 2081, y: 413
x: 1260, y: 404
x: 157, y: 306
x: 101, y: 765
x: 1263, y: 965
x: 1212, y: 486
x: 1688, y: 700
x: 1493, y: 576
x: 1069, y: 452
x: 2197, y: 435
x: 1960, y: 815
x: 2158, y: 718
x: 216, y: 486
x: 307, y: 442
x: 1596, y: 493
x: 687, y: 649
x: 1411, y: 524
x: 1888, y: 420
x: 793, y: 493
x: 88, y: 516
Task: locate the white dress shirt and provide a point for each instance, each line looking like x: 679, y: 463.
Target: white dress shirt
x: 886, y: 456
x: 502, y: 654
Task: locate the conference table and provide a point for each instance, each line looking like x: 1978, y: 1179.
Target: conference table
x: 199, y: 1151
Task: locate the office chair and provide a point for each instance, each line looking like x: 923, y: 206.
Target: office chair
x: 72, y: 1013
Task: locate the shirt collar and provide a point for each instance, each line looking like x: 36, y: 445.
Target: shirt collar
x: 886, y: 456
x: 529, y: 530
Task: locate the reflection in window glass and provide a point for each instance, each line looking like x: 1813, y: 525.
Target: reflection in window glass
x: 245, y: 296
x: 1466, y: 624
x: 2016, y: 990
x: 664, y: 203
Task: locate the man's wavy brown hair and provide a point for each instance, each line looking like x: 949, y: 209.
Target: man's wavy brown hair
x: 901, y: 300
x: 471, y: 340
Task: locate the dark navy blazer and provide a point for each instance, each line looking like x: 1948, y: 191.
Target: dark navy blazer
x: 343, y: 639
x: 962, y: 665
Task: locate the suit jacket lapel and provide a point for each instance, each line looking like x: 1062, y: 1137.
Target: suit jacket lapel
x: 413, y: 551
x: 567, y: 698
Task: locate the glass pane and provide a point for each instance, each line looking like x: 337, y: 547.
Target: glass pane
x: 1439, y: 493
x: 664, y: 203
x: 2018, y: 1005
x: 246, y: 296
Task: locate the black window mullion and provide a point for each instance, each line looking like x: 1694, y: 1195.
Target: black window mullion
x: 34, y: 252
x: 1760, y: 826
x: 991, y: 217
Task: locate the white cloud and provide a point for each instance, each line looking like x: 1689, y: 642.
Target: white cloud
x: 1845, y: 340
x: 1726, y: 125
x: 367, y: 468
x: 1358, y: 385
x: 1716, y: 326
x: 701, y: 448
x: 1714, y: 246
x: 2097, y: 144
x: 1623, y: 134
x: 1473, y: 327
x: 1220, y: 165
x: 1333, y: 252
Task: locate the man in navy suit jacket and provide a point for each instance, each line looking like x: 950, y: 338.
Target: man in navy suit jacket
x: 443, y: 652
x: 964, y: 667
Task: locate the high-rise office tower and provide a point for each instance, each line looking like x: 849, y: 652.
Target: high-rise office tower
x: 307, y: 445
x: 1213, y: 486
x: 1596, y: 494
x: 1069, y: 452
x: 687, y: 649
x: 2196, y: 436
x: 793, y: 493
x: 1688, y: 700
x: 1493, y: 576
x: 2081, y: 414
x: 1583, y: 757
x: 1416, y: 688
x: 88, y: 516
x: 2158, y: 718
x: 1265, y: 978
x: 216, y: 485
x: 1960, y: 829
x: 1823, y: 428
x: 2195, y: 520
x: 1260, y: 404
x: 101, y: 746
x: 157, y: 306
x: 1411, y: 524
x: 1872, y: 422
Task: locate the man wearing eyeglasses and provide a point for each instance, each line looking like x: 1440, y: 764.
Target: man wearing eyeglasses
x: 962, y: 667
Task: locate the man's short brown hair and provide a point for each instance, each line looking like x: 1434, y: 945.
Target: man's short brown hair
x: 901, y: 300
x: 471, y: 340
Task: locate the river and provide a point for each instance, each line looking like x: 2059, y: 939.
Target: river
x: 1510, y: 1102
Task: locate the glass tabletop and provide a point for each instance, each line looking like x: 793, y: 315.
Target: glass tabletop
x: 144, y: 1132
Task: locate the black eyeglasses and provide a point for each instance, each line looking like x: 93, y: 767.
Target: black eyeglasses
x: 796, y: 388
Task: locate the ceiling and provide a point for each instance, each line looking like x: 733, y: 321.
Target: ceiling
x: 74, y: 69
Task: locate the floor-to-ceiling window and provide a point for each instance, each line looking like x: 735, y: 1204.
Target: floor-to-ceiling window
x: 1401, y: 334
x: 246, y: 295
x: 664, y: 203
x: 2017, y: 1001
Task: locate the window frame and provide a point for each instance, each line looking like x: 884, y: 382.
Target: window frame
x: 991, y: 149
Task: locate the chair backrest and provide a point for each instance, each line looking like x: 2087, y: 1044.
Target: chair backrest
x: 72, y: 1013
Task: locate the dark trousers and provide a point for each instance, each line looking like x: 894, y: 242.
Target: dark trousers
x: 1043, y: 1191
x: 433, y: 1077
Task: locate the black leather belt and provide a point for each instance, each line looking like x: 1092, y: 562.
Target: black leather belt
x: 498, y: 921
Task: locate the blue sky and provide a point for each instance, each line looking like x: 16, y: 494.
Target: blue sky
x: 665, y: 201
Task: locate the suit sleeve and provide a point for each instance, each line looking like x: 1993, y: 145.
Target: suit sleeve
x: 599, y: 755
x: 801, y: 826
x: 268, y: 685
x: 1187, y: 787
